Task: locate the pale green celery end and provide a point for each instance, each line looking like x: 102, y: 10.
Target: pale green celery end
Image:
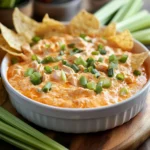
x: 121, y: 12
x: 145, y: 40
x: 138, y: 24
x: 141, y: 33
x: 109, y: 9
x: 15, y: 143
x: 133, y: 9
x: 143, y: 24
x: 104, y: 22
x: 125, y: 23
x: 21, y: 136
x: 19, y: 124
x: 143, y: 36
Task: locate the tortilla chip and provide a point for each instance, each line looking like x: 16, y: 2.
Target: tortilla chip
x: 50, y: 27
x: 24, y: 25
x: 109, y: 30
x: 83, y: 23
x: 14, y: 40
x: 137, y: 60
x: 3, y: 94
x: 5, y: 47
x: 122, y: 40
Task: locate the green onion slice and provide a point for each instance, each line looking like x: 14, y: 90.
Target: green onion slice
x: 48, y: 69
x: 83, y: 81
x: 47, y: 87
x: 28, y: 72
x: 105, y: 82
x: 36, y: 78
x: 63, y: 76
x: 136, y: 72
x: 80, y: 61
x: 36, y: 39
x: 98, y: 88
x: 123, y: 91
x: 91, y: 85
x: 123, y: 58
x: 120, y: 76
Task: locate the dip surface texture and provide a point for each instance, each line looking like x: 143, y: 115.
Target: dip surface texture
x: 76, y: 72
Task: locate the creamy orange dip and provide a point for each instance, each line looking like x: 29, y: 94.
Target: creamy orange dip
x: 83, y: 72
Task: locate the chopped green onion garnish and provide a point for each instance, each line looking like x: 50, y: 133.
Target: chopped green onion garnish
x: 47, y: 45
x: 83, y: 36
x: 49, y: 59
x: 113, y: 62
x: 56, y: 67
x: 95, y: 53
x: 103, y: 52
x: 94, y: 71
x: 36, y: 78
x: 100, y: 47
x: 90, y: 61
x: 34, y: 57
x: 47, y: 87
x: 80, y: 61
x: 14, y: 60
x: 113, y: 58
x: 136, y: 72
x: 28, y: 72
x: 71, y: 45
x: 91, y: 85
x: 110, y: 72
x: 63, y: 76
x: 75, y: 51
x: 98, y: 88
x: 105, y: 82
x: 35, y: 39
x: 123, y: 91
x: 48, y: 69
x: 100, y: 59
x: 120, y: 76
x: 63, y: 47
x: 123, y: 58
x: 75, y: 67
x: 113, y: 65
x: 83, y: 81
x: 64, y: 62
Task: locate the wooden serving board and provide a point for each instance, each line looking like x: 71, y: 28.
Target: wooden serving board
x: 128, y: 136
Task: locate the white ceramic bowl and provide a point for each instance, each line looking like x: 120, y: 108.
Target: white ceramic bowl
x: 77, y: 120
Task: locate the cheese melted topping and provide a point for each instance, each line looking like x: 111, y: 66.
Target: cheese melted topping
x: 70, y: 93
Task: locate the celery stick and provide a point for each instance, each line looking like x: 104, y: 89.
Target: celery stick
x: 142, y: 24
x: 22, y: 137
x: 15, y: 143
x: 143, y: 36
x: 134, y: 8
x: 132, y: 20
x: 109, y: 9
x: 122, y: 11
x: 19, y: 124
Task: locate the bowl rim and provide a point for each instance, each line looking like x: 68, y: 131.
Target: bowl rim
x: 4, y: 78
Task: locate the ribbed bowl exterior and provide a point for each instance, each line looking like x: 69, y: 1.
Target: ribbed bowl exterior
x: 77, y: 120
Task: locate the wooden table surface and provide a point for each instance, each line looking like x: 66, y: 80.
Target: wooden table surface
x: 144, y: 146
